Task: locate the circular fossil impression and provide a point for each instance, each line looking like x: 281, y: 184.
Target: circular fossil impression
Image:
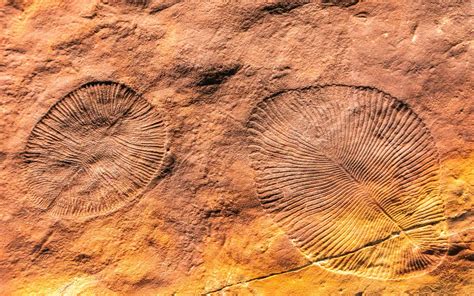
x: 95, y: 150
x: 351, y: 175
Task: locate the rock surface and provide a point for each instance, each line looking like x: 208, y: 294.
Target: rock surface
x: 204, y: 65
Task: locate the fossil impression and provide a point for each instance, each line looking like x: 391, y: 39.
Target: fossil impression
x: 351, y: 175
x: 95, y: 150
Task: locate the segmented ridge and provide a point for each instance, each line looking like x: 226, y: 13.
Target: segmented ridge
x: 94, y: 150
x: 351, y: 175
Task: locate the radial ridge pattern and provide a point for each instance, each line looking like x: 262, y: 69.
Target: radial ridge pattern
x: 95, y: 150
x: 351, y: 175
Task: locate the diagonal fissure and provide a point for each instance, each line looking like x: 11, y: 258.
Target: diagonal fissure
x: 381, y: 240
x: 317, y: 262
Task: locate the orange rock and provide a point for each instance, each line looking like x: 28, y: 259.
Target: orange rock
x: 199, y: 226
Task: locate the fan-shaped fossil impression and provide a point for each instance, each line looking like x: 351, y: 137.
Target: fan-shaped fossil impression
x: 351, y: 175
x: 95, y: 150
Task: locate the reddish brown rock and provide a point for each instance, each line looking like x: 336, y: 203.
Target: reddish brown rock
x: 199, y: 227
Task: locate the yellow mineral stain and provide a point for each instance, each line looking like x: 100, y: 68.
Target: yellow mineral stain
x: 75, y: 287
x: 134, y: 268
x: 457, y: 184
x: 233, y: 261
x: 61, y: 286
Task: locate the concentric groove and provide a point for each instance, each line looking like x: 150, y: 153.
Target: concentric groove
x: 94, y: 151
x: 351, y: 175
